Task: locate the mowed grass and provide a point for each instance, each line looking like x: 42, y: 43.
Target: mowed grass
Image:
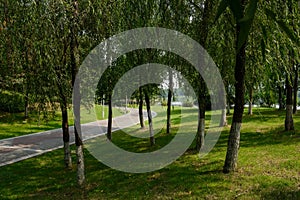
x: 13, y: 124
x: 268, y: 168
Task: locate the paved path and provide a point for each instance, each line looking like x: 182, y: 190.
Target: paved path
x: 20, y: 148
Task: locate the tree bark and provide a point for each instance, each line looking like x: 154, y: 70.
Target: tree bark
x: 223, y: 121
x: 26, y: 99
x: 289, y: 122
x: 109, y: 123
x: 227, y: 100
x: 80, y: 165
x: 250, y: 112
x: 295, y: 102
x: 169, y: 101
x: 233, y: 147
x: 201, y: 124
x: 66, y: 135
x: 141, y: 114
x: 228, y: 108
x: 234, y: 135
x: 147, y: 100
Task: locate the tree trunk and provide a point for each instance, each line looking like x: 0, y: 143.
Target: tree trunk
x: 66, y: 135
x: 289, y: 122
x: 141, y: 115
x: 228, y: 108
x: 250, y: 101
x: 295, y: 101
x: 80, y: 165
x: 74, y: 55
x: 147, y: 100
x: 201, y: 124
x: 233, y: 148
x: 227, y: 100
x: 223, y: 121
x: 109, y: 123
x: 169, y: 101
x: 234, y: 135
x: 26, y: 99
x: 78, y: 136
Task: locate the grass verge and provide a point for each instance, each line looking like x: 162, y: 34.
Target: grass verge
x: 268, y: 168
x: 13, y: 124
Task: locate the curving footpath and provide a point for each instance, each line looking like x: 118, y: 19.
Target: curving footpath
x: 20, y: 148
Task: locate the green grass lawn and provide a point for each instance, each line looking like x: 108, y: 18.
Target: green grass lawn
x: 13, y: 124
x: 268, y: 168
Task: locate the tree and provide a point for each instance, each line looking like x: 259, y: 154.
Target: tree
x: 243, y: 22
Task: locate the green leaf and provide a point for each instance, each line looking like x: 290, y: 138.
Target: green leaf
x: 221, y: 9
x: 290, y: 33
x: 283, y: 26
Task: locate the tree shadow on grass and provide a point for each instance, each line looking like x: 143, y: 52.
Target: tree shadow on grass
x: 281, y: 193
x: 273, y: 137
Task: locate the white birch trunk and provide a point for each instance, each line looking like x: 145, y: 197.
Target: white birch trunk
x: 223, y: 121
x: 200, y: 134
x: 80, y: 165
x: 233, y: 148
x: 68, y: 158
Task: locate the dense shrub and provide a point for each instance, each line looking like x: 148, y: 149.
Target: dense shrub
x: 11, y: 102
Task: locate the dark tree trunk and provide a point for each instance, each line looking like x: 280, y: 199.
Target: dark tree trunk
x: 228, y: 108
x: 66, y: 135
x: 223, y: 121
x: 64, y: 110
x: 109, y: 122
x: 169, y: 101
x: 289, y: 122
x: 201, y: 123
x: 295, y: 101
x: 250, y: 112
x: 228, y: 101
x: 234, y: 135
x: 147, y: 100
x: 141, y: 114
x: 74, y: 55
x: 26, y: 99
